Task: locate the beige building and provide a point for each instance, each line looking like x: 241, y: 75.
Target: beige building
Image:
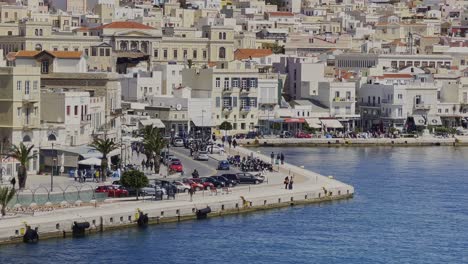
x: 20, y: 108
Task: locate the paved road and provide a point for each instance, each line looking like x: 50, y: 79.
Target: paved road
x: 204, y: 168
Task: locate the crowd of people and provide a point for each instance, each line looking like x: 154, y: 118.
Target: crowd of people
x: 249, y: 163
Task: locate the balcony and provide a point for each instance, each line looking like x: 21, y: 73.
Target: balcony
x: 227, y: 109
x: 344, y: 99
x: 227, y: 90
x: 422, y: 106
x: 29, y: 99
x: 244, y: 90
x: 245, y: 109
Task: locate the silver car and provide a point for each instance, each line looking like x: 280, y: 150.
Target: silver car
x: 152, y: 190
x: 201, y: 155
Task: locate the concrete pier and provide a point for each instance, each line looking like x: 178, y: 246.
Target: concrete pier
x: 309, y: 187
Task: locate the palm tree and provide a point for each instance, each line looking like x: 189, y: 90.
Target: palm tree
x: 105, y: 146
x: 154, y: 143
x: 23, y: 155
x: 6, y: 194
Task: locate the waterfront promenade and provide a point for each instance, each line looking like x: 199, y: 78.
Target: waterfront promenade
x: 113, y: 213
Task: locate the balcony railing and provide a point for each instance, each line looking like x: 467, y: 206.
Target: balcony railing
x: 422, y: 106
x: 246, y: 108
x: 227, y: 108
x: 245, y: 90
x: 227, y: 90
x: 343, y: 99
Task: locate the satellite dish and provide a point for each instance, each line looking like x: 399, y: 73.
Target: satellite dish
x: 179, y: 107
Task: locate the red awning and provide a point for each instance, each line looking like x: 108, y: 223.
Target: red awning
x: 294, y: 120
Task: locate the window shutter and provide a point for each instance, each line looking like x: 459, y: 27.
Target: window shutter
x: 218, y: 101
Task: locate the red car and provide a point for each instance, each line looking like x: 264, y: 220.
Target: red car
x: 176, y: 166
x: 193, y: 184
x: 206, y: 185
x: 303, y: 135
x: 112, y: 191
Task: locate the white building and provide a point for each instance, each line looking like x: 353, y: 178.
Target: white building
x: 140, y: 86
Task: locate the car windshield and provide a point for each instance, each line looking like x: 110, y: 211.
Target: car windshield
x: 176, y: 163
x: 203, y: 153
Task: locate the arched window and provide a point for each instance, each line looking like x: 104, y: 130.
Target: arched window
x: 36, y: 32
x: 123, y: 45
x: 52, y: 137
x: 222, y: 53
x: 224, y: 35
x: 40, y: 32
x: 38, y: 47
x: 27, y: 138
x: 220, y: 35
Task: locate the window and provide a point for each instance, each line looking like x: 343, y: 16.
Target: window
x: 101, y: 52
x: 18, y: 85
x: 204, y: 54
x: 400, y: 96
x: 68, y: 110
x: 107, y: 52
x: 224, y: 35
x: 76, y: 110
x: 165, y: 53
x: 156, y: 53
x: 244, y: 83
x: 93, y: 51
x: 45, y: 67
x: 252, y: 102
x: 194, y: 54
x: 218, y: 102
x: 35, y: 85
x: 446, y: 110
x: 10, y: 33
x: 226, y: 82
x: 175, y: 54
x: 86, y: 51
x: 220, y: 35
x: 184, y: 52
x: 218, y: 82
x: 253, y: 83
x: 222, y: 53
x: 26, y: 87
x: 19, y: 111
x: 235, y: 82
x: 51, y: 137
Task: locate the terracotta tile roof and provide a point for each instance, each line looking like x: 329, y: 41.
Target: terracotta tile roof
x: 289, y: 14
x: 395, y: 76
x: 124, y: 24
x: 82, y: 29
x: 242, y: 54
x: 56, y: 54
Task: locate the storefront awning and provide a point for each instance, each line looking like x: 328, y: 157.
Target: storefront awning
x: 294, y: 120
x: 314, y: 123
x: 153, y: 121
x: 434, y: 121
x: 419, y: 120
x: 331, y: 123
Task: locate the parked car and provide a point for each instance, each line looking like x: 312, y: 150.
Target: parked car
x: 182, y: 187
x: 206, y: 184
x: 227, y: 182
x: 112, y: 191
x: 245, y: 177
x: 215, y: 182
x: 153, y: 189
x: 193, y: 184
x: 239, y: 136
x: 223, y: 165
x: 232, y: 177
x: 285, y: 134
x: 201, y: 155
x: 303, y: 135
x: 178, y: 142
x: 176, y: 166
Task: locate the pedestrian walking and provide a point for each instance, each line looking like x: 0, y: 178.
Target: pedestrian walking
x: 229, y: 142
x: 282, y: 158
x: 143, y: 163
x: 272, y: 156
x: 191, y: 192
x: 75, y: 175
x: 13, y: 182
x: 234, y: 143
x: 278, y: 157
x: 286, y: 182
x: 291, y: 181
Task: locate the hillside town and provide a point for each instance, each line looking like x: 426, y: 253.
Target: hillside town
x: 72, y: 71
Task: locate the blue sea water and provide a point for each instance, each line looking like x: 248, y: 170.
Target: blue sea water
x: 411, y: 206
